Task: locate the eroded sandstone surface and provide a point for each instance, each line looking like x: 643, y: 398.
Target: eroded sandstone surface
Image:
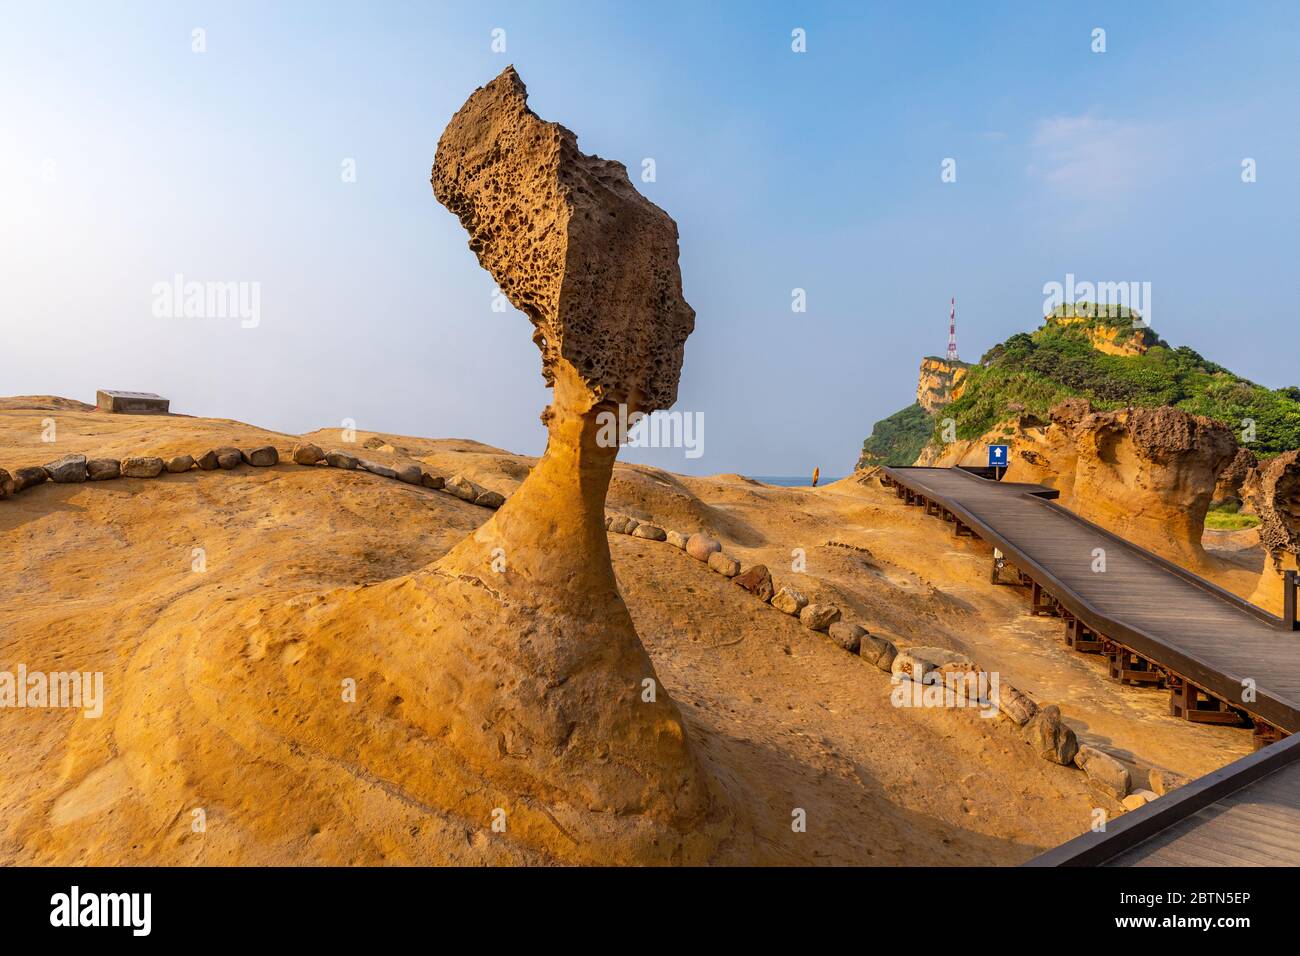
x: 572, y: 244
x: 1274, y: 492
x: 1149, y: 474
x: 536, y: 638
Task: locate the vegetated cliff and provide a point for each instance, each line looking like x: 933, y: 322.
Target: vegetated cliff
x: 1095, y: 352
x: 899, y: 439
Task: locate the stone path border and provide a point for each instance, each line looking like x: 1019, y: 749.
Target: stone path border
x: 1041, y: 728
x: 75, y: 469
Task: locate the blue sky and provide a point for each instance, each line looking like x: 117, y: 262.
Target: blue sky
x: 127, y: 158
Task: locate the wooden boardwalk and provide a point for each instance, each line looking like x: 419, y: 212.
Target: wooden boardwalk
x: 1223, y: 659
x: 1244, y: 814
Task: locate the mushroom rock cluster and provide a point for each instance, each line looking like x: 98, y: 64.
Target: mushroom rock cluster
x: 1149, y: 474
x: 500, y: 696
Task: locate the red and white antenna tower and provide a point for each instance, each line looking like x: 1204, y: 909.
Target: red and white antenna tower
x: 952, y: 331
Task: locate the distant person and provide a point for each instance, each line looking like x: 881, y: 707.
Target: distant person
x: 817, y: 473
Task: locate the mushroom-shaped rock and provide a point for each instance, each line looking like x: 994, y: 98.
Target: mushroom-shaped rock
x: 572, y: 245
x: 593, y: 265
x: 1149, y: 474
x: 515, y: 673
x: 1273, y: 490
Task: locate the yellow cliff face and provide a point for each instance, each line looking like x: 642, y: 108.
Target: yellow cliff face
x: 1122, y: 338
x: 940, y: 382
x: 1118, y: 341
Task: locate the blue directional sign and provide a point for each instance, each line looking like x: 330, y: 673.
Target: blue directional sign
x: 997, y: 456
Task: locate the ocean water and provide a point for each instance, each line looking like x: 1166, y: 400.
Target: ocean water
x: 794, y: 481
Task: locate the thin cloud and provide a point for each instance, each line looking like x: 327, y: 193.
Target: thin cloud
x: 1090, y: 158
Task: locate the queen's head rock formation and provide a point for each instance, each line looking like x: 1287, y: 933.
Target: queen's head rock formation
x: 543, y: 648
x: 503, y: 702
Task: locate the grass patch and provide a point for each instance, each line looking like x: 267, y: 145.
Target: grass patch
x: 1229, y: 521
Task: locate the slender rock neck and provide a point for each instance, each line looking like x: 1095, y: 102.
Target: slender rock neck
x: 551, y: 531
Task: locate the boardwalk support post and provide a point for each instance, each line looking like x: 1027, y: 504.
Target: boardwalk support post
x: 1128, y: 667
x: 1042, y: 603
x: 1190, y: 702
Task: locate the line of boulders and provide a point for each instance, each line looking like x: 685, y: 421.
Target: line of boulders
x: 1041, y: 728
x: 71, y: 469
x: 757, y: 580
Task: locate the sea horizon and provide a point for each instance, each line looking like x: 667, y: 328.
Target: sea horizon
x: 793, y: 481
